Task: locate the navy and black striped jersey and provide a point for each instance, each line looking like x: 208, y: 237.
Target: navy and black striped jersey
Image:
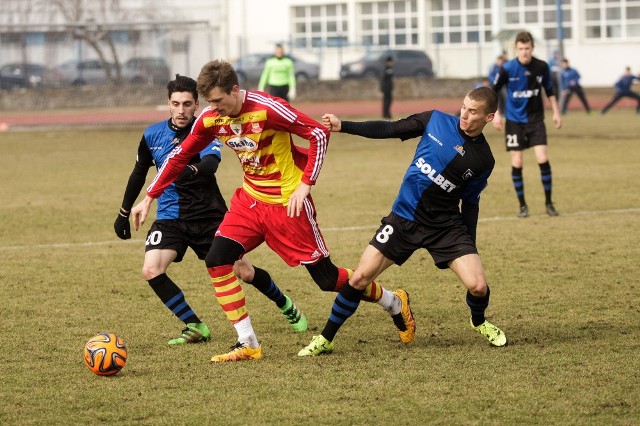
x: 448, y: 166
x: 524, y: 85
x: 188, y: 198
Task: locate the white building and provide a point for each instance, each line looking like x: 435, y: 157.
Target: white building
x: 462, y: 37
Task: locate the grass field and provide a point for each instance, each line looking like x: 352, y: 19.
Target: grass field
x: 565, y: 290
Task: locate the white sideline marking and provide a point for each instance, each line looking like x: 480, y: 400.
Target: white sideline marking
x: 504, y: 218
x: 69, y: 245
x: 335, y: 229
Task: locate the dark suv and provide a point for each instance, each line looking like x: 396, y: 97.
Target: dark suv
x: 28, y: 75
x: 406, y: 63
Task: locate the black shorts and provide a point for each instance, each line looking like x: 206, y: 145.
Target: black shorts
x: 521, y: 136
x: 179, y: 235
x: 280, y: 91
x: 398, y: 238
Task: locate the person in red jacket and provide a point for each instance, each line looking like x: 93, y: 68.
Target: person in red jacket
x: 274, y: 204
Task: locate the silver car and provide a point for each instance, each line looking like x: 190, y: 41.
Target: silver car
x: 134, y: 71
x: 249, y: 67
x: 79, y: 73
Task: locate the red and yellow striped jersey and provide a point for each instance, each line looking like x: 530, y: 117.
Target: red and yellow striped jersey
x: 261, y: 135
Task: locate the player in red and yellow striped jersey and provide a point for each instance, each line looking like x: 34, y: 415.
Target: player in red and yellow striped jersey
x: 274, y: 204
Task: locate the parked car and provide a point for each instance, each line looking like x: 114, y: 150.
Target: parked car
x: 135, y: 70
x: 249, y: 67
x: 28, y: 75
x: 406, y: 63
x: 79, y: 73
x: 11, y: 81
x: 146, y: 70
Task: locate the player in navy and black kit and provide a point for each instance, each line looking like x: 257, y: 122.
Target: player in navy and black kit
x: 436, y: 208
x: 188, y: 214
x: 623, y: 89
x: 570, y: 83
x: 525, y: 77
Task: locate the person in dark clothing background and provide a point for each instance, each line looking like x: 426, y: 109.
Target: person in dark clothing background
x: 623, y: 89
x: 386, y: 87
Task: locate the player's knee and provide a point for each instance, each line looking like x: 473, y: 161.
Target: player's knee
x: 149, y: 272
x: 215, y: 258
x: 477, y: 287
x: 223, y: 251
x: 360, y: 281
x: 324, y: 274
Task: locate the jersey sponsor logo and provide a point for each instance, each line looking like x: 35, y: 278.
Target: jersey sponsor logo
x: 460, y: 149
x: 433, y: 174
x: 526, y: 93
x: 242, y: 143
x: 222, y: 131
x: 249, y: 117
x: 435, y: 139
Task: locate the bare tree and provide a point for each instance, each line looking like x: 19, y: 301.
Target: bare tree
x: 84, y: 24
x: 91, y: 22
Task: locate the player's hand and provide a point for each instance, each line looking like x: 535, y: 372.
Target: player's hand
x: 292, y: 94
x: 331, y: 122
x: 140, y: 212
x: 122, y: 226
x: 296, y: 201
x: 497, y: 121
x: 557, y: 120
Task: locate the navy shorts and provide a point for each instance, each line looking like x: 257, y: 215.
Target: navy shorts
x: 398, y: 238
x: 521, y: 136
x: 179, y: 235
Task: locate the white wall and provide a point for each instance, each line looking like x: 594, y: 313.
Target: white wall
x: 256, y: 26
x: 602, y: 64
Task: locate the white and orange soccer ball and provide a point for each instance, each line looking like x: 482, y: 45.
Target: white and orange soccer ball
x: 105, y: 354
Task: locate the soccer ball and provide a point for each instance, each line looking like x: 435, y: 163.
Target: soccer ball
x: 105, y: 354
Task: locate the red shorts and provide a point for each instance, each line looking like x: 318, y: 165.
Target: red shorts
x: 297, y: 240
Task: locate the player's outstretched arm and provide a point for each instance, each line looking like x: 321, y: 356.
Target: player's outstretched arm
x: 331, y: 122
x: 140, y: 212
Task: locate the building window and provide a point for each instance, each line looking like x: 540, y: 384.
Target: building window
x: 388, y: 23
x: 317, y: 26
x: 607, y: 20
x: 392, y: 23
x: 540, y: 14
x: 35, y: 39
x: 462, y: 21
